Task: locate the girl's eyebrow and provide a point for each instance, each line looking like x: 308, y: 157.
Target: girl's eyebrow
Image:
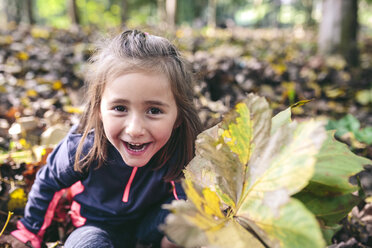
x: 158, y: 103
x: 149, y: 102
x: 119, y: 100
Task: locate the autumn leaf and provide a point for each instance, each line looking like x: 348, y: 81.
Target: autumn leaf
x: 200, y: 222
x: 258, y: 178
x: 18, y: 199
x: 254, y: 176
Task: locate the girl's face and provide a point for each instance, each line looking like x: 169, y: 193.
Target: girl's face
x: 139, y: 112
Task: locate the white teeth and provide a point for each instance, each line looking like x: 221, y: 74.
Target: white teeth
x: 137, y: 150
x: 134, y: 144
x: 137, y: 147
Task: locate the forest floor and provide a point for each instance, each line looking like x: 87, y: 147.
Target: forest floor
x: 41, y: 89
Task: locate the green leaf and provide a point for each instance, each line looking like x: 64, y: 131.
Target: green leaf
x: 335, y: 165
x: 347, y: 124
x: 365, y: 135
x: 330, y: 210
x: 351, y: 123
x: 329, y: 232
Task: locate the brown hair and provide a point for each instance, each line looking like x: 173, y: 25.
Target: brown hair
x: 134, y: 50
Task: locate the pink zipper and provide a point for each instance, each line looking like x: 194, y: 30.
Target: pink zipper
x: 174, y: 190
x: 127, y: 188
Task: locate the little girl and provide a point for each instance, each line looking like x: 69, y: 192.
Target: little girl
x: 125, y: 158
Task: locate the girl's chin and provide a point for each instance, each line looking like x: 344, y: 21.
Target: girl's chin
x: 134, y: 162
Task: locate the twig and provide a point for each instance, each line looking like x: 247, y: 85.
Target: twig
x: 6, y: 223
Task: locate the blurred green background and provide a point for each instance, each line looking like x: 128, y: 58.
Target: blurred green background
x: 196, y: 13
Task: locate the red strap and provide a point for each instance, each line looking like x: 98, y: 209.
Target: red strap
x: 50, y: 212
x: 24, y: 235
x: 76, y: 218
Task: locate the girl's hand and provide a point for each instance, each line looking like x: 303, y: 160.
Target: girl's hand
x: 12, y: 241
x: 165, y: 243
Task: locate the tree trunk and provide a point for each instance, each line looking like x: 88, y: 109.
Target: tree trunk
x: 73, y: 12
x: 30, y: 15
x: 338, y: 29
x: 212, y: 7
x: 349, y: 32
x: 124, y: 12
x: 171, y: 10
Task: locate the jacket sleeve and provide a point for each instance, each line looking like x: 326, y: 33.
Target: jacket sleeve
x: 47, y: 189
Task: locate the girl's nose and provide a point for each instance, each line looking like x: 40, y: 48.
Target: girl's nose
x: 134, y: 126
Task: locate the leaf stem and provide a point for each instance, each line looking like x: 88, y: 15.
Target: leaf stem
x: 7, y: 221
x: 56, y: 244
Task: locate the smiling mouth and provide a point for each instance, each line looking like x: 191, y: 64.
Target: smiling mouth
x: 136, y: 147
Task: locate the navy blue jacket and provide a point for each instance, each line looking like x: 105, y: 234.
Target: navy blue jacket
x: 101, y: 197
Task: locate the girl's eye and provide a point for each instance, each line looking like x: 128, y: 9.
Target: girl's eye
x: 154, y: 111
x: 120, y: 108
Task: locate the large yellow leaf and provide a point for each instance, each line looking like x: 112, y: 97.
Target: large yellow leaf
x: 201, y: 222
x: 248, y: 171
